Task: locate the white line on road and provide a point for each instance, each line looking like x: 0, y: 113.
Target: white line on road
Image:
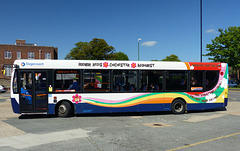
x: 30, y: 140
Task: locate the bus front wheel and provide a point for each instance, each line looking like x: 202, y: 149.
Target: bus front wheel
x: 64, y: 109
x: 178, y: 106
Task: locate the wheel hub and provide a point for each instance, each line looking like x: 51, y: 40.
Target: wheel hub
x: 62, y: 109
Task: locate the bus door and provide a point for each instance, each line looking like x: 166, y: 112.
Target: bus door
x: 33, y: 91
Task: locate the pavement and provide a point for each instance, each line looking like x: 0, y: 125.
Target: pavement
x: 7, y: 130
x: 195, y: 130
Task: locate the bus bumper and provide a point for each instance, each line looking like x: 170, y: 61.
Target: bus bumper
x: 225, y: 101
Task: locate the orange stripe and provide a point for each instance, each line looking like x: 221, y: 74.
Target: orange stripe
x: 158, y: 100
x: 187, y: 64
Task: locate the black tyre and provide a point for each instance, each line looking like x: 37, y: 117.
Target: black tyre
x: 64, y: 109
x: 178, y: 106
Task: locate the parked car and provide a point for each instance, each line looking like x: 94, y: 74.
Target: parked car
x: 232, y: 84
x: 3, y: 89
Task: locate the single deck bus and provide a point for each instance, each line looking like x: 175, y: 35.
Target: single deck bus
x: 68, y: 87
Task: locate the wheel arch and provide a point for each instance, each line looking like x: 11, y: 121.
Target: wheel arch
x: 182, y: 99
x: 59, y: 103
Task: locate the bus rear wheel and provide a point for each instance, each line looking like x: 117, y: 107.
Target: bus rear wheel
x: 178, y: 106
x: 64, y: 109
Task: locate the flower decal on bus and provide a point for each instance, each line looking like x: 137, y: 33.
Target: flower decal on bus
x: 76, y: 98
x: 105, y: 64
x: 133, y: 65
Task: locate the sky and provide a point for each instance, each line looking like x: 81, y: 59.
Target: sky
x: 165, y: 27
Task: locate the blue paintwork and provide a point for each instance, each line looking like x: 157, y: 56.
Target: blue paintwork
x: 89, y: 108
x: 15, y: 106
x: 51, y: 108
x: 204, y: 106
x: 226, y: 101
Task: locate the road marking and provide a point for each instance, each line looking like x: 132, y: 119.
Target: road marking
x: 30, y: 140
x: 136, y: 117
x: 206, y: 141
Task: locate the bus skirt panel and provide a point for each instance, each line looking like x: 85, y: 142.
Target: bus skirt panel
x: 15, y: 106
x: 89, y: 108
x: 204, y: 106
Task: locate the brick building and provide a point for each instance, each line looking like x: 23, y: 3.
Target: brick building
x: 22, y: 50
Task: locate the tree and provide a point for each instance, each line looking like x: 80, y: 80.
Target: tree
x: 119, y: 56
x: 226, y: 47
x: 97, y: 49
x: 172, y: 57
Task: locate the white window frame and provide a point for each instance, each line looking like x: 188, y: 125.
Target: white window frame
x: 48, y: 55
x: 8, y: 70
x: 7, y: 54
x: 18, y: 54
x: 31, y: 55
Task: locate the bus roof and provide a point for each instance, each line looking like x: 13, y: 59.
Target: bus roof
x: 116, y: 64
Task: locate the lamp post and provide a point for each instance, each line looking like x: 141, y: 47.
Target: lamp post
x: 201, y: 30
x: 139, y: 39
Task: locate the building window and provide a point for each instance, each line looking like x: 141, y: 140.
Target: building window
x: 47, y: 55
x: 8, y: 70
x: 18, y: 55
x: 30, y: 55
x: 7, y: 54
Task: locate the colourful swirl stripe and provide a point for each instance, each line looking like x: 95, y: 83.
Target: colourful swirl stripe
x: 216, y: 95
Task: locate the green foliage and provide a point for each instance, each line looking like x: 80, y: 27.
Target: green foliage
x: 226, y: 47
x: 172, y: 57
x: 119, y: 56
x: 97, y: 49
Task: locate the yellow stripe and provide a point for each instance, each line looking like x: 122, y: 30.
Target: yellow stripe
x: 206, y: 141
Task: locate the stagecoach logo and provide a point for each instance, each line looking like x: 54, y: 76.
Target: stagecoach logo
x: 22, y: 64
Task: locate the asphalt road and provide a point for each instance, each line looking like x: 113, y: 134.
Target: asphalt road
x: 215, y: 130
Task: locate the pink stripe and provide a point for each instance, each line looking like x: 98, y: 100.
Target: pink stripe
x: 113, y: 101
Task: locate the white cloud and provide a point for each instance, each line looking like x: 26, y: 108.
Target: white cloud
x: 149, y: 43
x: 211, y: 31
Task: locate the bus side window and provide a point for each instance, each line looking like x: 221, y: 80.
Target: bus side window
x: 125, y: 80
x: 176, y: 80
x: 196, y: 80
x: 211, y: 79
x: 96, y: 81
x: 67, y: 81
